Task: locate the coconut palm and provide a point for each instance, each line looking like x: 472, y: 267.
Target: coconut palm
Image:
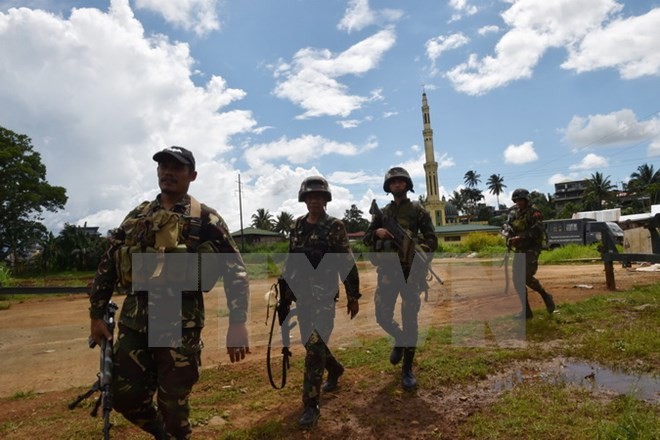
x: 495, y: 184
x: 283, y: 223
x: 646, y: 181
x: 598, y: 190
x: 262, y: 219
x: 471, y: 179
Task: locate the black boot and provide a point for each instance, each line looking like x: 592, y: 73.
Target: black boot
x: 549, y: 302
x: 334, y: 374
x: 408, y: 380
x: 396, y: 355
x: 310, y: 415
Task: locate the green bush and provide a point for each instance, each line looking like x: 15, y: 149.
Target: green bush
x: 569, y: 252
x: 476, y: 241
x: 5, y: 274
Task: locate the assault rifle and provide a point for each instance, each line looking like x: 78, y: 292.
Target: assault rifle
x: 284, y: 314
x: 403, y: 240
x: 104, y: 376
x: 506, y: 233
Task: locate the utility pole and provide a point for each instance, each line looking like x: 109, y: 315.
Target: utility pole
x: 240, y: 212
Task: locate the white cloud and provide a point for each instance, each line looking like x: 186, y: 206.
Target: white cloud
x: 630, y: 45
x: 589, y: 162
x: 299, y: 151
x: 98, y: 98
x: 535, y: 26
x: 446, y: 162
x: 491, y: 29
x: 437, y: 45
x: 359, y: 15
x: 616, y: 128
x: 353, y: 178
x: 197, y: 15
x: 520, y: 154
x: 461, y: 7
x: 310, y: 79
x: 558, y: 178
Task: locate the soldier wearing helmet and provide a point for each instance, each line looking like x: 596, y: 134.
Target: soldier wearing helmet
x: 397, y: 173
x: 411, y: 216
x: 316, y: 237
x: 525, y: 233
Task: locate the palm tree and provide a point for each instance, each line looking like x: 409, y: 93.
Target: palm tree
x: 598, y: 190
x: 471, y: 179
x: 495, y: 184
x: 283, y: 223
x: 263, y: 219
x: 646, y: 181
x: 458, y: 201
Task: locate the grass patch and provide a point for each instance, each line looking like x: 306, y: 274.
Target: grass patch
x: 559, y: 411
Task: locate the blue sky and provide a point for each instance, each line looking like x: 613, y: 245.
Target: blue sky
x: 277, y: 90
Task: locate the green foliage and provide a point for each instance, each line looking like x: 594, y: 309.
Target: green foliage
x: 24, y: 195
x: 354, y: 220
x: 476, y: 241
x: 262, y: 219
x: 5, y: 274
x: 569, y: 252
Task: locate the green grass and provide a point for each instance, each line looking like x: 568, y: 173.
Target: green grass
x: 560, y: 411
x: 617, y: 330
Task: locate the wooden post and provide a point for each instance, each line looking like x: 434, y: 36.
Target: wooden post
x: 609, y: 275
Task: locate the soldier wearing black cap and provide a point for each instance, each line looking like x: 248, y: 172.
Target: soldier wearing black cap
x: 173, y: 222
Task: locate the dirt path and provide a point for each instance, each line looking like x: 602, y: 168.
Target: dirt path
x: 43, y: 341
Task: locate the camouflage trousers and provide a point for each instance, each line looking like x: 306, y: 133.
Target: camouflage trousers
x: 525, y: 265
x: 170, y: 373
x: 387, y: 292
x: 316, y: 323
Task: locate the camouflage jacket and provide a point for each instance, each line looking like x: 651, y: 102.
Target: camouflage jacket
x: 410, y: 216
x: 327, y: 236
x: 528, y: 225
x: 213, y: 238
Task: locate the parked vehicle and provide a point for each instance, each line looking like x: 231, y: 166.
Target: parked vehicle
x: 577, y: 231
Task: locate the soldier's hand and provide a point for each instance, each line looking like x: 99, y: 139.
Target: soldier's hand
x: 99, y: 330
x: 237, y: 342
x: 383, y: 233
x: 353, y: 307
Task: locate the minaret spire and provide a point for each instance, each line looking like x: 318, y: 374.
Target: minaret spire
x: 433, y: 204
x: 430, y: 166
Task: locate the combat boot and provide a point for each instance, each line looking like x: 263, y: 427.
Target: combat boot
x: 333, y: 378
x: 310, y: 415
x: 408, y: 380
x: 549, y: 302
x: 396, y: 355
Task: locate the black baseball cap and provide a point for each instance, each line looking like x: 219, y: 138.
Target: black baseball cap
x: 179, y: 153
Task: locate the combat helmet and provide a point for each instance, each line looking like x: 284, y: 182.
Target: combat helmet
x: 314, y: 184
x: 395, y: 172
x: 520, y: 193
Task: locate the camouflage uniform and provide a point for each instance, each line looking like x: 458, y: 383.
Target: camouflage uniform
x: 527, y: 224
x: 141, y: 369
x: 413, y: 217
x: 316, y: 293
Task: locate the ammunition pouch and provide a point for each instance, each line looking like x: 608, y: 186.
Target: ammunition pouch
x: 161, y: 233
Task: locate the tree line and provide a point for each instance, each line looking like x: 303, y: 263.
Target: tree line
x: 25, y: 195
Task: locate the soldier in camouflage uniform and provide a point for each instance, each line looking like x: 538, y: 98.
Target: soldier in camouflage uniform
x: 413, y: 217
x: 314, y: 236
x: 525, y: 234
x: 170, y: 367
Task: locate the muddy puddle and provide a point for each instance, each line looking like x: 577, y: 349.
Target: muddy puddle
x: 586, y: 374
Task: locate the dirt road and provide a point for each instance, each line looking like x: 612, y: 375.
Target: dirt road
x: 43, y: 341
